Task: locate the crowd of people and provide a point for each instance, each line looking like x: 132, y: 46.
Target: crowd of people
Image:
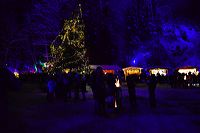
x: 63, y: 86
x: 151, y: 82
x: 105, y: 86
x: 106, y: 89
x: 181, y: 80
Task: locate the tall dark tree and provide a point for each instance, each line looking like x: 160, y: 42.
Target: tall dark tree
x: 47, y: 18
x: 13, y: 34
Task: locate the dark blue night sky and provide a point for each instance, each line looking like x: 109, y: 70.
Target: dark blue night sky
x: 125, y: 32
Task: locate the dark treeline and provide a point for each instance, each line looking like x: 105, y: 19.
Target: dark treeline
x: 116, y: 31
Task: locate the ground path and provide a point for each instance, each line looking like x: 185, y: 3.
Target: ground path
x: 178, y: 111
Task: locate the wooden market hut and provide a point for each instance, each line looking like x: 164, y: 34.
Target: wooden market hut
x: 107, y: 68
x: 132, y: 70
x: 188, y: 69
x: 160, y: 71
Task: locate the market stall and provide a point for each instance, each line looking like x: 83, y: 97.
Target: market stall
x: 132, y: 70
x: 158, y: 71
x: 187, y: 70
x: 107, y: 68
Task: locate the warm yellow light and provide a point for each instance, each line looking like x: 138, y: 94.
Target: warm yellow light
x: 66, y: 70
x: 189, y: 70
x: 117, y: 84
x: 72, y: 35
x: 132, y: 70
x: 16, y: 74
x: 109, y: 71
x: 115, y: 103
x: 160, y: 71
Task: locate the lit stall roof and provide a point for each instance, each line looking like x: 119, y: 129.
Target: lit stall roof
x: 161, y: 71
x: 132, y: 70
x: 106, y: 67
x: 186, y: 70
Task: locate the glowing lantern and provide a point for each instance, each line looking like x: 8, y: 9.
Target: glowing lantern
x: 66, y: 70
x: 16, y: 74
x: 117, y: 84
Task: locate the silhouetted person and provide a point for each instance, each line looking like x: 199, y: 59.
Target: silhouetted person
x: 110, y: 81
x: 70, y: 77
x: 198, y: 78
x: 91, y: 83
x: 98, y: 87
x: 6, y: 84
x: 172, y: 80
x: 118, y: 94
x: 111, y: 89
x: 77, y: 80
x: 51, y: 89
x: 66, y: 87
x: 152, y: 82
x: 83, y: 86
x: 59, y: 91
x: 131, y: 82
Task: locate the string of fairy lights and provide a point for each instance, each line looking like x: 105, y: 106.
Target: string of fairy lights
x: 70, y: 39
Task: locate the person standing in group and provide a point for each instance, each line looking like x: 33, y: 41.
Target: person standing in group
x: 66, y: 87
x: 110, y: 90
x: 83, y: 86
x: 131, y: 82
x: 51, y: 89
x: 118, y: 94
x: 98, y: 87
x: 152, y: 82
x: 77, y: 80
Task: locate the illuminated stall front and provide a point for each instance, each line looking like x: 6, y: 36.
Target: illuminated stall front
x: 132, y: 71
x: 158, y: 71
x: 107, y: 68
x: 187, y: 70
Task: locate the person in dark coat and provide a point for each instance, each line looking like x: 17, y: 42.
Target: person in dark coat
x: 110, y: 81
x: 118, y: 94
x: 51, y: 89
x: 83, y: 86
x: 110, y: 90
x: 152, y: 82
x: 59, y: 91
x: 70, y: 78
x: 66, y: 87
x: 77, y: 80
x: 131, y: 82
x: 98, y: 87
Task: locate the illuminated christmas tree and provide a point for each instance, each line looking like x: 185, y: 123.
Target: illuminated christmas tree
x: 68, y: 49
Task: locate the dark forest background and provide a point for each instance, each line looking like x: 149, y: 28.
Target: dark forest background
x: 123, y: 32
